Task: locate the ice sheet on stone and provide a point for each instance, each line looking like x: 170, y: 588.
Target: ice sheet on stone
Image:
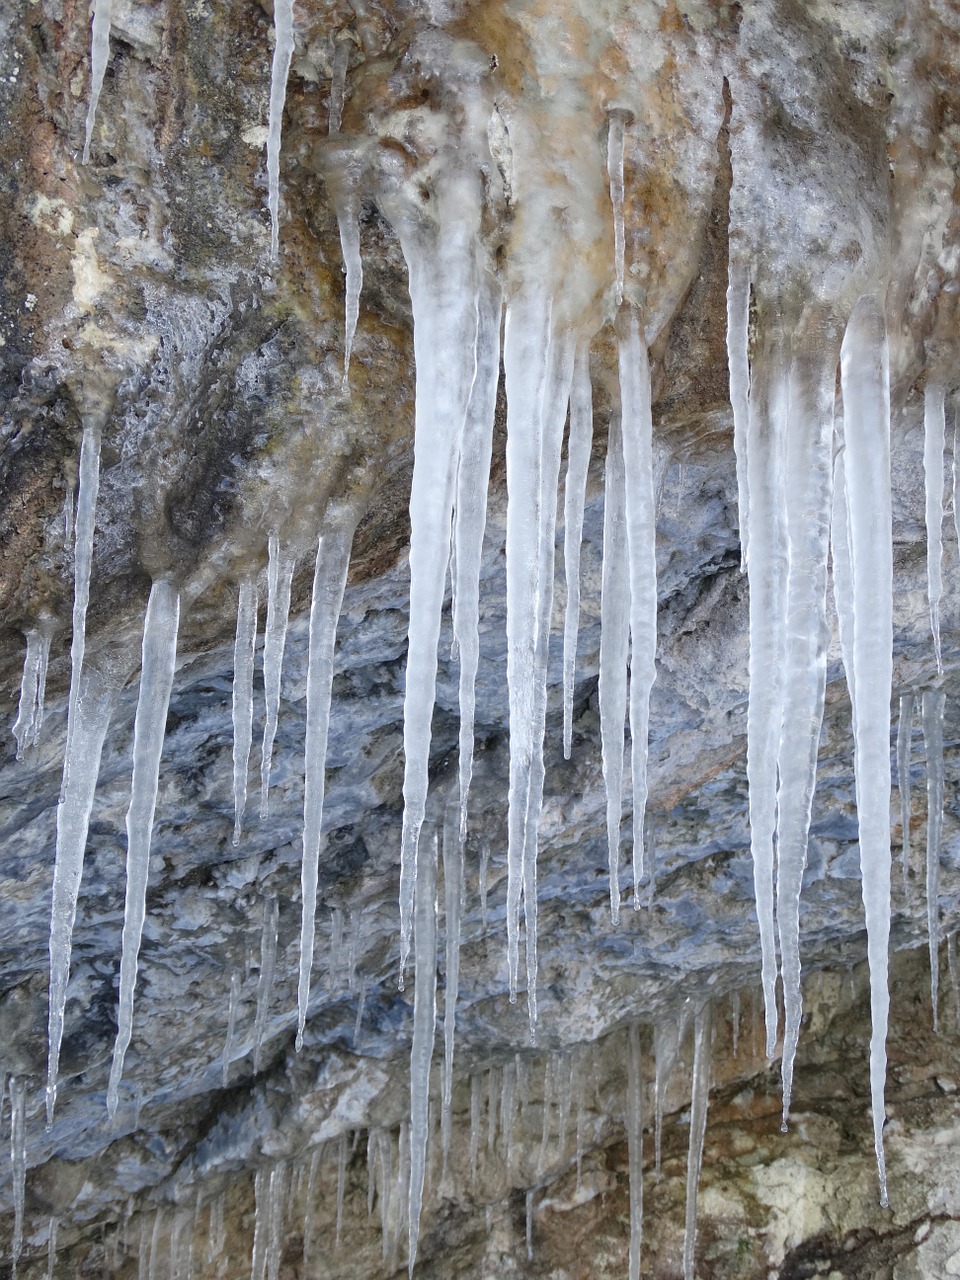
x: 268, y: 967
x: 424, y: 1017
x: 280, y: 567
x: 99, y: 56
x: 282, y: 53
x: 700, y: 1098
x: 243, y: 662
x: 159, y: 656
x: 579, y: 447
x: 614, y: 640
x: 933, y: 442
x: 932, y: 708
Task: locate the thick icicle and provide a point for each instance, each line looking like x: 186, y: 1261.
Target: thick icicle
x: 452, y: 880
x: 908, y: 704
x: 865, y: 383
x: 933, y: 442
x: 635, y: 1146
x: 579, y: 447
x: 156, y: 681
x: 279, y: 579
x: 99, y: 56
x: 282, y: 53
x: 618, y: 118
x: 91, y: 719
x: 637, y: 433
x: 738, y: 361
x: 83, y: 558
x: 231, y: 1024
x: 329, y: 582
x: 424, y: 1017
x: 700, y: 1098
x: 26, y: 729
x: 614, y: 640
x: 932, y: 713
x: 443, y: 291
x: 268, y: 967
x: 470, y: 519
x: 18, y: 1162
x: 243, y: 657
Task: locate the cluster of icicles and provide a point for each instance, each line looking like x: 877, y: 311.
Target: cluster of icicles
x: 802, y: 500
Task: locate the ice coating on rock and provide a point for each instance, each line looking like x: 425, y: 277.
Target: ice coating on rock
x: 424, y: 1016
x: 579, y: 445
x: 99, y: 56
x: 614, y: 641
x: 933, y: 442
x: 243, y: 662
x: 282, y: 53
x: 933, y: 702
x: 280, y: 567
x: 700, y: 1099
x: 159, y: 656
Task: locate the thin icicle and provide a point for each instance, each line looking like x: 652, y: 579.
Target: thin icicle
x: 470, y: 519
x: 329, y: 582
x: 635, y: 1146
x: 261, y: 1225
x: 99, y: 56
x: 282, y: 53
x: 738, y: 361
x: 424, y: 1017
x: 276, y: 1203
x: 231, y: 1024
x: 666, y: 1047
x: 52, y: 1245
x: 579, y: 447
x: 26, y: 728
x: 614, y: 639
x: 338, y: 81
x: 268, y: 967
x: 908, y: 706
x: 528, y: 1231
x: 735, y: 1020
x: 243, y: 659
x: 81, y: 768
x: 548, y: 1084
x: 700, y: 1098
x: 348, y: 222
x: 474, y: 1127
x: 637, y: 434
x: 618, y: 118
x: 18, y: 1162
x: 452, y: 879
x: 159, y: 655
x: 279, y: 579
x: 934, y: 429
x: 932, y: 707
x: 865, y: 384
x: 83, y: 560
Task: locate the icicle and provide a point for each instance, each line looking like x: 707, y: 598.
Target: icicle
x: 547, y: 1112
x: 738, y: 360
x: 493, y: 1100
x: 528, y: 1232
x: 402, y: 1191
x: 231, y: 1025
x: 443, y: 291
x: 99, y: 56
x: 452, y: 878
x: 158, y: 1218
x: 865, y: 384
x: 564, y: 1098
x: 156, y: 681
x: 735, y: 1016
x: 637, y: 435
x: 348, y: 222
x: 842, y: 563
x: 358, y: 1023
x: 635, y: 1146
x: 614, y: 637
x: 268, y: 966
x: 276, y: 1195
x: 18, y: 1162
x: 618, y: 119
x: 338, y: 81
x: 933, y: 442
x: 309, y: 1208
x: 26, y: 728
x: 666, y: 1047
x: 579, y: 447
x: 470, y: 519
x: 83, y: 556
x: 956, y: 474
x: 702, y: 1035
x: 954, y: 976
x: 424, y: 1016
x: 52, y: 1246
x: 329, y: 582
x: 243, y: 657
x: 932, y: 706
x: 279, y: 579
x: 282, y: 53
x: 474, y: 1127
x: 70, y: 486
x: 908, y: 704
x: 261, y: 1225
x: 508, y: 1099
x: 484, y: 869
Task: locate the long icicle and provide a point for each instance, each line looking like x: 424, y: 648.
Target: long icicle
x: 282, y: 53
x: 279, y: 579
x: 933, y: 441
x: 470, y: 519
x: 637, y: 433
x: 579, y: 446
x: 932, y: 706
x: 865, y: 382
x: 908, y: 705
x: 81, y: 769
x: 424, y: 1017
x: 99, y: 56
x: 614, y: 640
x: 243, y: 661
x: 156, y: 681
x: 329, y: 583
x: 700, y: 1099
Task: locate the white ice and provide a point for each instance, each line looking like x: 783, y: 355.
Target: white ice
x: 243, y: 662
x: 99, y: 56
x: 452, y: 883
x: 579, y: 446
x: 282, y: 53
x: 280, y: 569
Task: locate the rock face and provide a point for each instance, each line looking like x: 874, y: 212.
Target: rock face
x: 814, y: 142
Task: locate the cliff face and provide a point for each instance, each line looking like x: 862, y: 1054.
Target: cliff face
x: 140, y: 306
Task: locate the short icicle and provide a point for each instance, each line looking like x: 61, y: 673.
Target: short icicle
x: 908, y: 706
x: 865, y: 383
x: 579, y: 446
x: 280, y: 569
x: 635, y: 1146
x: 700, y: 1098
x: 329, y: 583
x: 424, y: 1016
x: 99, y: 56
x: 932, y: 707
x: 637, y: 434
x: 160, y: 627
x: 282, y: 53
x: 934, y: 430
x: 243, y: 662
x: 268, y: 968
